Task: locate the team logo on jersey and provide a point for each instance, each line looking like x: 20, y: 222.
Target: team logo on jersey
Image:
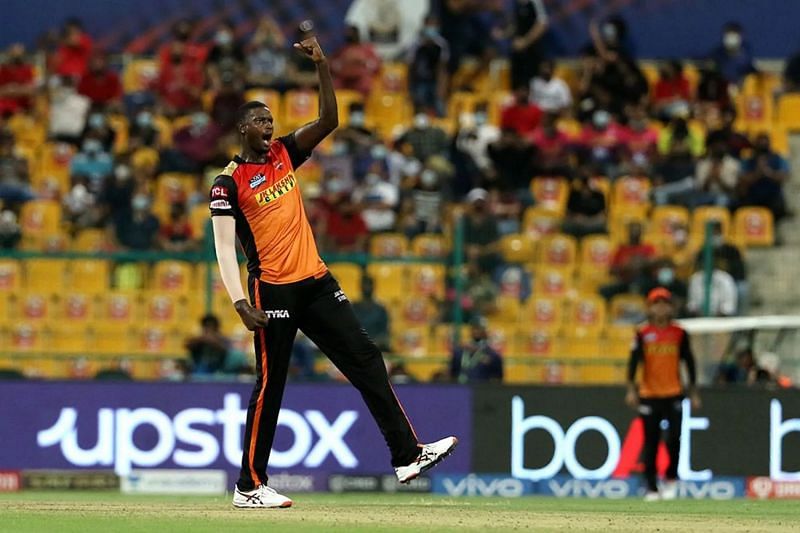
x: 284, y: 185
x: 257, y: 180
x: 277, y: 313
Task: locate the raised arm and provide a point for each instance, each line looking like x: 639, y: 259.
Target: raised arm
x: 309, y: 136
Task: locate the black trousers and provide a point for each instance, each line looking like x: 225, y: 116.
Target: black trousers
x: 319, y: 308
x: 653, y: 411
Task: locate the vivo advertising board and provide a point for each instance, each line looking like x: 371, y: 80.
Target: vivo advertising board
x: 589, y: 434
x: 125, y: 426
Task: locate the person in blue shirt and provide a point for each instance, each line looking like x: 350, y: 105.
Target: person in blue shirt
x: 476, y: 361
x: 763, y: 176
x: 733, y: 56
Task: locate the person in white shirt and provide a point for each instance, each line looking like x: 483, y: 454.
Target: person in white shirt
x: 68, y: 110
x: 378, y: 198
x: 551, y: 94
x: 723, y: 293
x: 388, y: 25
x: 475, y: 136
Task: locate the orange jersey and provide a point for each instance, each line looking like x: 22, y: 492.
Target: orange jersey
x: 661, y: 350
x: 271, y: 222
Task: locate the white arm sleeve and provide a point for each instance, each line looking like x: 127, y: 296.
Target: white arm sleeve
x: 225, y: 246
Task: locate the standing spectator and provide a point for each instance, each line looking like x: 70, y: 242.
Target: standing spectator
x: 428, y: 201
x: 763, y: 177
x: 723, y: 295
x: 267, y: 59
x: 16, y: 82
x: 663, y: 274
x: 389, y: 25
x: 68, y: 110
x: 521, y: 115
x: 138, y: 229
x: 551, y: 94
x: 512, y: 159
x: 630, y: 264
x: 226, y: 59
x: 672, y: 90
x: 427, y: 69
x: 345, y: 227
x: 481, y: 234
x: 712, y: 91
x: 586, y: 209
x: 372, y: 315
x: 425, y: 139
x: 530, y: 24
x: 465, y: 32
x: 180, y: 81
x: 476, y: 361
x: 552, y: 148
x: 116, y: 194
x: 100, y: 84
x: 208, y: 350
x: 728, y: 257
x: 72, y: 57
x: 356, y: 64
x: 227, y: 101
x: 177, y: 234
x: 733, y: 56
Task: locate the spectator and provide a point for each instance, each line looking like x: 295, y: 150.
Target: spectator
x: 97, y: 127
x: 611, y: 38
x: 196, y: 145
x: 733, y: 56
x: 734, y: 141
x: 80, y: 205
x: 586, y: 209
x: 177, y: 234
x: 744, y: 371
x: 729, y: 259
x: 72, y: 57
x: 378, y: 198
x: 553, y: 148
x: 346, y: 229
x: 476, y: 361
x: 138, y: 229
x: 358, y: 142
x: 512, y: 160
x: 180, y: 46
x: 16, y: 82
x: 723, y: 299
x: 226, y: 59
x: 551, y: 94
x: 143, y: 131
x: 712, y: 91
x: 481, y: 234
x: 356, y: 64
x: 388, y: 25
x: 116, y: 195
x: 14, y: 178
x: 664, y: 274
x: 507, y: 208
x: 372, y: 315
x: 180, y: 81
x: 118, y: 370
x: 475, y: 136
x: 92, y: 162
x: 427, y: 69
x: 601, y: 142
x: 672, y: 91
x: 227, y: 101
x: 630, y: 264
x: 68, y: 110
x: 425, y: 139
x: 209, y: 349
x: 530, y: 22
x: 640, y: 139
x: 10, y: 230
x: 678, y: 146
x: 521, y: 115
x: 100, y: 84
x: 428, y: 201
x: 268, y: 61
x: 465, y: 33
x: 763, y: 177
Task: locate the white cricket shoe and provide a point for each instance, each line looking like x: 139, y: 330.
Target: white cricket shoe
x: 262, y: 497
x: 652, y: 496
x: 669, y: 490
x: 429, y: 456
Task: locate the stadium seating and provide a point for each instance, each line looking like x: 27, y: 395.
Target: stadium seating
x: 753, y: 226
x: 390, y: 280
x: 550, y: 193
x: 349, y: 277
x: 388, y: 245
x: 517, y: 248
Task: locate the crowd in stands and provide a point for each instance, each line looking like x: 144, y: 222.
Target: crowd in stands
x: 461, y: 110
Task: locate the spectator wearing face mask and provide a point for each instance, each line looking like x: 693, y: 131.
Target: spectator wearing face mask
x: 138, y: 229
x: 195, y: 145
x: 733, y: 56
x: 345, y: 227
x: 672, y: 91
x: 521, y: 115
x: 723, y: 294
x: 481, y: 233
x: 476, y: 361
x: 378, y: 199
x: 181, y: 45
x: 425, y: 139
x: 100, y: 84
x: 475, y: 136
x: 550, y: 94
x: 389, y: 25
x: 16, y: 82
x: 14, y: 176
x: 177, y: 235
x: 10, y: 230
x: 226, y: 59
x: 92, y: 162
x: 663, y: 274
x: 640, y: 139
x: 428, y: 200
x: 735, y: 142
x: 763, y: 176
x: 553, y: 148
x: 143, y: 131
x: 630, y: 264
x: 80, y: 205
x: 372, y: 315
x: 601, y: 142
x: 97, y: 127
x: 356, y: 64
x: 512, y: 160
x: 427, y: 69
x: 115, y: 196
x: 678, y: 146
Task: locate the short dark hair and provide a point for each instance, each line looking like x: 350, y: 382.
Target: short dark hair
x: 244, y: 110
x: 210, y: 320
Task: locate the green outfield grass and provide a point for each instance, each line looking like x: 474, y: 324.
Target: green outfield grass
x: 103, y: 511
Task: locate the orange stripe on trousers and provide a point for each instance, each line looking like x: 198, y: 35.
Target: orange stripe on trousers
x: 260, y: 400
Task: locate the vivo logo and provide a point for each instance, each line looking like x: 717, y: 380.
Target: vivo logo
x: 183, y: 440
x: 613, y: 489
x: 473, y: 485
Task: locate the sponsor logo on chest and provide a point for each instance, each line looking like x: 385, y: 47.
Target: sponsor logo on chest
x: 281, y: 187
x: 257, y: 180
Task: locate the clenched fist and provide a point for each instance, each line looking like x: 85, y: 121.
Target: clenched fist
x: 251, y: 317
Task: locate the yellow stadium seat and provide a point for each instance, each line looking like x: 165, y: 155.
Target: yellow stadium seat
x: 162, y: 308
x: 620, y: 219
x: 120, y: 125
x: 90, y: 240
x: 27, y: 130
x: 90, y: 275
x: 35, y: 306
x: 67, y: 339
x: 502, y: 338
x: 139, y: 74
x: 76, y: 307
x: 630, y: 192
x: 665, y: 219
x: 651, y: 74
x: 429, y: 245
x: 789, y: 111
x: 517, y: 248
x: 25, y: 336
x: 461, y: 102
x: 388, y: 245
x: 6, y: 312
x: 386, y: 111
x: 705, y: 214
x: 414, y: 311
x: 119, y: 308
x: 200, y: 219
x: 111, y: 338
x: 596, y: 253
x: 40, y: 217
x: 754, y: 226
x: 507, y: 309
x: 538, y: 222
x: 344, y: 99
x: 48, y: 275
x: 586, y: 316
x: 558, y: 251
x: 10, y: 275
x: 442, y: 339
x: 54, y: 162
x: 300, y: 107
x: 553, y: 282
x: 627, y: 308
x: 540, y: 342
x: 159, y: 339
x: 349, y: 277
x: 580, y: 347
x: 411, y: 341
x: 426, y: 279
x: 172, y: 277
x: 543, y: 312
x: 393, y: 77
x: 271, y: 98
x: 550, y: 193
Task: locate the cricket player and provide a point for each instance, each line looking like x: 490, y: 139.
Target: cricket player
x: 257, y: 199
x: 660, y: 346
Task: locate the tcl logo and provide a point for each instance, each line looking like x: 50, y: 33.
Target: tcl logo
x: 219, y: 192
x: 115, y: 444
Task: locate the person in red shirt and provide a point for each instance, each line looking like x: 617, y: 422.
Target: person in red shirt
x: 16, y: 82
x: 181, y: 45
x: 177, y: 234
x: 640, y: 140
x: 72, y: 56
x: 100, y: 84
x: 601, y: 141
x: 346, y: 229
x: 552, y: 147
x: 355, y: 65
x: 180, y: 81
x: 660, y: 347
x: 671, y: 89
x: 522, y: 116
x: 630, y: 263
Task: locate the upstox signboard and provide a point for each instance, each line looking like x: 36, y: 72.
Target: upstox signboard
x: 126, y: 426
x: 588, y: 434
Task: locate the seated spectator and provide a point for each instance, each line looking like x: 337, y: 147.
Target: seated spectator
x: 357, y: 141
x: 763, y: 176
x: 550, y: 94
x: 425, y: 139
x: 733, y: 56
x: 427, y: 198
x: 143, y: 131
x: 209, y: 349
x: 346, y: 230
x: 68, y: 110
x: 177, y: 234
x: 586, y: 209
x: 97, y: 127
x: 372, y: 315
x: 679, y: 146
x: 663, y: 274
x: 735, y: 142
x: 640, y: 140
x: 16, y: 82
x: 744, y: 371
x: 553, y: 148
x: 355, y: 65
x: 138, y: 228
x: 712, y: 92
x: 80, y: 205
x: 512, y: 160
x: 118, y: 370
x: 475, y: 136
x: 729, y: 259
x: 195, y: 145
x: 378, y: 198
x: 427, y: 69
x: 476, y: 361
x: 521, y: 115
x: 723, y: 299
x: 226, y: 58
x: 506, y: 208
x: 672, y: 90
x: 72, y: 57
x: 630, y: 264
x: 601, y: 142
x: 100, y: 84
x: 14, y: 177
x: 92, y: 162
x: 115, y: 197
x: 481, y: 234
x: 268, y: 58
x: 180, y: 81
x: 10, y: 230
